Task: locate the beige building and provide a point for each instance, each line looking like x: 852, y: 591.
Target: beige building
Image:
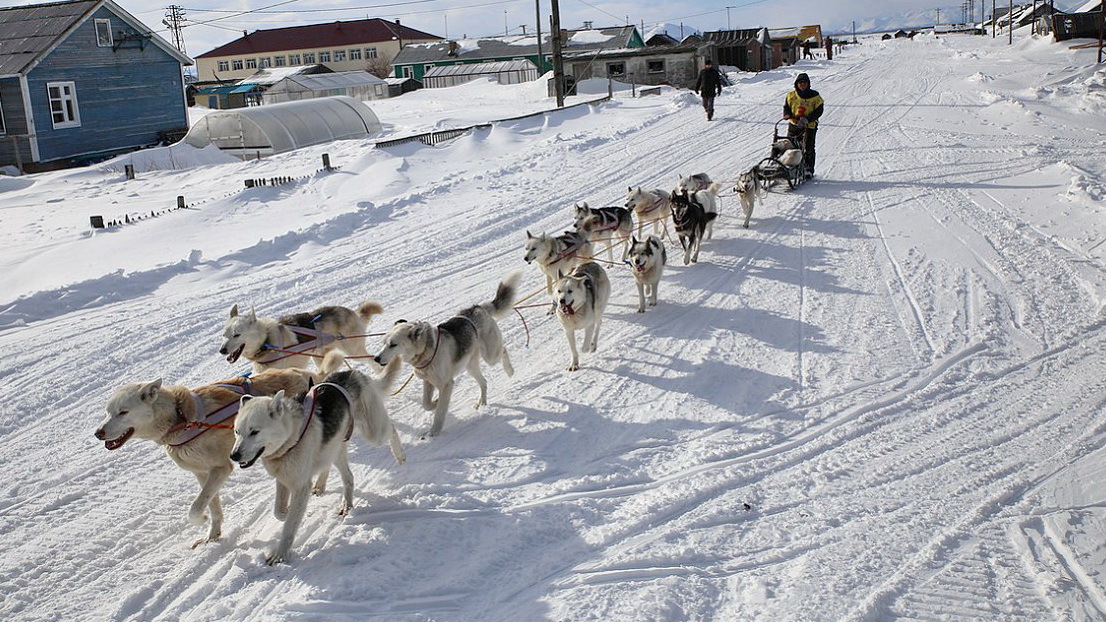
x: 361, y: 45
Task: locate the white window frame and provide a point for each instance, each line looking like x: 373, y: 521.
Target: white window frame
x: 324, y: 56
x: 308, y: 58
x: 370, y: 53
x: 278, y: 61
x: 224, y: 65
x: 71, y: 113
x: 251, y: 63
x: 237, y: 64
x: 408, y: 72
x: 355, y: 54
x: 294, y: 60
x: 103, y: 33
x: 339, y: 56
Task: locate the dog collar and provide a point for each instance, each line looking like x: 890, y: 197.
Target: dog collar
x: 437, y: 340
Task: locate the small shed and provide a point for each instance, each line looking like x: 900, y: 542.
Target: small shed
x: 399, y: 86
x: 748, y: 50
x: 265, y: 130
x: 357, y: 84
x: 504, y: 72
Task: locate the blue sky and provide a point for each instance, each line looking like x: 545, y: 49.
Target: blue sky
x: 215, y: 22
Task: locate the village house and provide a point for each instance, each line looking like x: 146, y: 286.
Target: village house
x: 84, y: 80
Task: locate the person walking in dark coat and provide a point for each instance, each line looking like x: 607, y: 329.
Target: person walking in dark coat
x: 709, y: 86
x: 803, y: 107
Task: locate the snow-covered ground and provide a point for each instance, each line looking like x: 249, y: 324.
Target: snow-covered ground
x: 884, y: 400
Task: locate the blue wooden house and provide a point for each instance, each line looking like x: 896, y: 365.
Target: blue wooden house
x: 83, y: 80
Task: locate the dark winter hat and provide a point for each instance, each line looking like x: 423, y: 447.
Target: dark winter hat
x: 802, y: 77
x: 708, y: 62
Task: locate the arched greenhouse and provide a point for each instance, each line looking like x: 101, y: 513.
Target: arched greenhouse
x: 276, y: 128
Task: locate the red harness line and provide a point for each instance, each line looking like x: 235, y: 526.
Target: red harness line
x: 187, y: 431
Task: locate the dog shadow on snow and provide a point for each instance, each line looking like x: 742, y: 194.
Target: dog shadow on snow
x: 479, y: 523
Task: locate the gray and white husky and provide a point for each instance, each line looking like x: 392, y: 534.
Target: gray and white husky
x: 557, y: 254
x: 691, y: 220
x: 194, y: 427
x: 581, y: 298
x: 298, y: 442
x: 440, y: 353
x: 596, y: 223
x: 288, y: 341
x: 647, y: 260
x: 748, y: 189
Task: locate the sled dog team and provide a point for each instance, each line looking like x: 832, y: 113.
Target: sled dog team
x: 297, y: 422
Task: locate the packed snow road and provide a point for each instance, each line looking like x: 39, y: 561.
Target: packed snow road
x: 884, y: 400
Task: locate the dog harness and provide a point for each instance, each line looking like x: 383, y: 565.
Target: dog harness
x: 608, y: 221
x: 309, y: 403
x: 657, y: 202
x: 189, y: 429
x: 315, y: 339
x: 573, y: 243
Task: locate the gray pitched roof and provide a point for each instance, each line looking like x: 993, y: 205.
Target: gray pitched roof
x: 32, y: 31
x: 493, y: 48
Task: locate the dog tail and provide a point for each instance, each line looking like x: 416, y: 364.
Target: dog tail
x: 385, y: 380
x: 504, y: 295
x: 368, y: 309
x: 331, y: 362
x: 714, y: 187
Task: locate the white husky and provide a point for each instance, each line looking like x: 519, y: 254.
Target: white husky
x: 440, y: 353
x: 193, y: 426
x: 649, y: 206
x: 555, y: 255
x: 692, y: 183
x: 647, y: 260
x: 297, y: 442
x: 581, y: 298
x: 286, y: 342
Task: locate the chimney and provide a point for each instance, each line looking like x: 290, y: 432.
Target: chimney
x: 587, y: 25
x: 397, y: 22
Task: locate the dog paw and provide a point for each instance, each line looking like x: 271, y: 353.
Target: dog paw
x: 344, y: 509
x: 318, y: 490
x: 641, y: 309
x: 209, y: 538
x: 274, y: 558
x: 573, y: 367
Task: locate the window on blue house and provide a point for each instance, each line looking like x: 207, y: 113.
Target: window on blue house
x: 103, y: 33
x: 63, y: 104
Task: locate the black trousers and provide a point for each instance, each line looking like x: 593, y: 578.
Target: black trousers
x: 807, y: 135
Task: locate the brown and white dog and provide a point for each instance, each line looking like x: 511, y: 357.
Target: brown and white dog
x: 293, y: 340
x: 194, y: 427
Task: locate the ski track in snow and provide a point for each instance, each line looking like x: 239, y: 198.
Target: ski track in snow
x: 881, y: 401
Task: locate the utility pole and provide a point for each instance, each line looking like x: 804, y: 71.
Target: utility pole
x: 1010, y: 25
x: 174, y: 15
x: 938, y: 20
x: 541, y: 57
x: 558, y: 60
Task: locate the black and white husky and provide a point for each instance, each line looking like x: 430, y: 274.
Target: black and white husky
x: 556, y: 255
x: 288, y: 341
x: 299, y: 441
x: 440, y: 353
x: 691, y: 220
x: 647, y: 260
x: 581, y: 298
x: 605, y: 222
